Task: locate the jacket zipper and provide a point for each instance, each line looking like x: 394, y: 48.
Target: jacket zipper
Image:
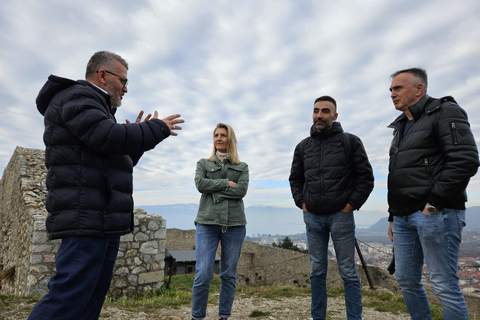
x: 429, y: 171
x: 321, y: 175
x: 453, y: 127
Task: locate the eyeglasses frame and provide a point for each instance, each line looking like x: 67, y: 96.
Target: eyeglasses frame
x: 122, y: 79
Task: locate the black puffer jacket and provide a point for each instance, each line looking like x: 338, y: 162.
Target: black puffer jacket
x: 434, y: 162
x: 90, y: 160
x: 324, y: 179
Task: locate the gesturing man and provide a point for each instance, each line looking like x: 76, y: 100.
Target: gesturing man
x: 90, y: 159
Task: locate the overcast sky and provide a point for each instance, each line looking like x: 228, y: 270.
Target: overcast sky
x: 256, y: 65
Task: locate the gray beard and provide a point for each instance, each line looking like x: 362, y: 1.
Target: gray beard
x: 115, y: 100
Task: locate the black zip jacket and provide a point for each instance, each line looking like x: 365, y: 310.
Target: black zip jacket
x: 434, y: 162
x: 90, y: 160
x: 324, y: 179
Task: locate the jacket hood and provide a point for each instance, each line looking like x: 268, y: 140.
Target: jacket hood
x: 53, y: 86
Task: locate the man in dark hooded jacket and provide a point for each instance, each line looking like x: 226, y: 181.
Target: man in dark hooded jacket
x: 330, y: 178
x: 90, y: 159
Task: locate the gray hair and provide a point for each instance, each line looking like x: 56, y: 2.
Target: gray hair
x: 419, y: 74
x: 103, y: 59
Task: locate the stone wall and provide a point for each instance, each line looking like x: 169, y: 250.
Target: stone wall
x: 21, y: 206
x: 261, y: 265
x: 28, y: 257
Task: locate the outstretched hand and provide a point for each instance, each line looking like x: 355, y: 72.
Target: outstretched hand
x: 140, y: 115
x: 171, y: 121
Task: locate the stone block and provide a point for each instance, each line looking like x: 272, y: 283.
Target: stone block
x: 36, y: 258
x: 150, y: 277
x: 42, y: 248
x: 40, y: 237
x: 49, y: 258
x: 154, y: 225
x: 127, y: 238
x: 161, y: 234
x: 122, y: 271
x: 150, y: 247
x: 141, y: 236
x: 139, y: 269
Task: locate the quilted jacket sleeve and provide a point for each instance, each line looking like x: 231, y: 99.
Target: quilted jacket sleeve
x: 460, y: 156
x: 297, y: 177
x: 88, y: 119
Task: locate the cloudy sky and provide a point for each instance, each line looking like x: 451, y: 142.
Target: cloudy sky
x: 256, y: 65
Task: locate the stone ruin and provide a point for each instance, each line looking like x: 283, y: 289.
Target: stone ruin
x: 27, y: 257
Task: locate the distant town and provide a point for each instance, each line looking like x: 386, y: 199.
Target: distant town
x: 371, y: 233
x: 377, y: 250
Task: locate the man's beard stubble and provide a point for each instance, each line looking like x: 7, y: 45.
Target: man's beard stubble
x: 115, y: 97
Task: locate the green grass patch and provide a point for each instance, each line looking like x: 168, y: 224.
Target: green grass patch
x: 180, y: 291
x: 258, y: 314
x: 388, y: 302
x: 384, y: 302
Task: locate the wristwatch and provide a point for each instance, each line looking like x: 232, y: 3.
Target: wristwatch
x: 431, y: 209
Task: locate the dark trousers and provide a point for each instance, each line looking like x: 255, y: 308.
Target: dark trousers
x: 84, y: 272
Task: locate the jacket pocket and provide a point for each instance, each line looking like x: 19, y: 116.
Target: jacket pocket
x: 214, y: 172
x: 429, y: 171
x: 233, y: 174
x: 453, y: 131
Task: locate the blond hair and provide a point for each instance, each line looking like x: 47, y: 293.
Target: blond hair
x: 231, y: 143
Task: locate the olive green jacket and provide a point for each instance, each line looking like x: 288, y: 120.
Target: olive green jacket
x: 220, y: 204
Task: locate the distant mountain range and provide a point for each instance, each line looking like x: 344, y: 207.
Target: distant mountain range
x: 285, y: 221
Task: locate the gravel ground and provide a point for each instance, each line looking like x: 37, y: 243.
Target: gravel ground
x: 295, y: 308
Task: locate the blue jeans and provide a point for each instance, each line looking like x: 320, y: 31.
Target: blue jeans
x: 341, y: 227
x: 435, y: 238
x: 207, y: 238
x: 84, y: 272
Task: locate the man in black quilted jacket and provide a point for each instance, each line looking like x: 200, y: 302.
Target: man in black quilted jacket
x: 90, y: 159
x: 329, y: 179
x: 432, y: 158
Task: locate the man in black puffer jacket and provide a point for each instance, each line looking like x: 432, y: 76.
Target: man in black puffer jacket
x: 432, y: 158
x: 329, y: 179
x: 90, y: 159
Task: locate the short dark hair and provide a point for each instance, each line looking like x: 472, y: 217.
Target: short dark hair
x: 418, y: 73
x: 103, y: 59
x: 326, y: 98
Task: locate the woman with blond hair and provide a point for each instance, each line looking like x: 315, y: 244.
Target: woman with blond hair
x: 223, y: 181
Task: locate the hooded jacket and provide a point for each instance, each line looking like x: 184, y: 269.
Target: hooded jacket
x: 90, y: 159
x: 434, y: 161
x: 324, y: 179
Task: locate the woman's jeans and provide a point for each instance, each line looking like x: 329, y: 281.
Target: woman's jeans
x: 207, y: 238
x: 341, y: 227
x: 435, y: 238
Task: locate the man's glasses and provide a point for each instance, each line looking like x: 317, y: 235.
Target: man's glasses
x: 122, y: 79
